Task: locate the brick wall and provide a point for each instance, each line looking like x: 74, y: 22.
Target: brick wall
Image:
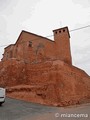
x: 33, y: 48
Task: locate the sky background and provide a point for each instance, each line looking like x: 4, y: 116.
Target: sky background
x: 43, y: 16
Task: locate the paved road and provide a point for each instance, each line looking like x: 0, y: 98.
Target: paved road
x: 81, y: 112
x: 14, y: 109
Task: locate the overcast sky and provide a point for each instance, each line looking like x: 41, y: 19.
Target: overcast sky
x: 43, y: 16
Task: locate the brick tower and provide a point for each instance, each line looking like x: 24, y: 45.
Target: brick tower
x: 62, y: 44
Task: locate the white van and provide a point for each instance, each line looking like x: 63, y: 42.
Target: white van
x: 2, y: 95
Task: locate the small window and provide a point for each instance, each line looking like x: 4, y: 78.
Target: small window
x: 64, y: 30
x: 56, y: 32
x: 60, y: 31
x: 30, y: 44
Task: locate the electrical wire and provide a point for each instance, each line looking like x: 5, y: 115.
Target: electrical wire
x: 79, y: 28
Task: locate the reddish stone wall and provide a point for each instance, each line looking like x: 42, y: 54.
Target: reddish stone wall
x: 51, y: 83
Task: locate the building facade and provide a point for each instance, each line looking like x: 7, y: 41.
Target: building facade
x: 32, y: 48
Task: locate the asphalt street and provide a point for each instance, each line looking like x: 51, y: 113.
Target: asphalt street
x: 14, y: 109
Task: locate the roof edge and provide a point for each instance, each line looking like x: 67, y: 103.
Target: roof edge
x: 63, y: 28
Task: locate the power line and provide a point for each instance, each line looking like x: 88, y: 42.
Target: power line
x: 53, y: 35
x: 79, y: 28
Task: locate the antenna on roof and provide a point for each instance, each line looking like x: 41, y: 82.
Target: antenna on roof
x: 60, y: 24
